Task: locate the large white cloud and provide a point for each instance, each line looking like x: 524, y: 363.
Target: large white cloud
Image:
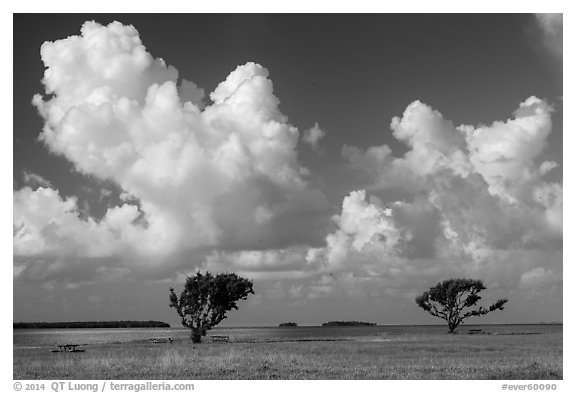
x: 474, y: 201
x: 505, y: 152
x: 218, y: 185
x: 224, y: 175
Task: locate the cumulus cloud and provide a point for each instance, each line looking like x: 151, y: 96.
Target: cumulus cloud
x: 215, y: 183
x: 52, y: 241
x: 505, y: 152
x: 364, y: 228
x: 219, y: 175
x: 474, y: 201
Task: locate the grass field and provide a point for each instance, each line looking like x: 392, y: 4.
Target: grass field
x: 445, y: 356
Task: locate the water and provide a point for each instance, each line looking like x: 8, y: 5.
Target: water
x: 35, y: 338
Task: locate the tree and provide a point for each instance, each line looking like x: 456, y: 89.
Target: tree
x: 454, y: 299
x: 206, y: 299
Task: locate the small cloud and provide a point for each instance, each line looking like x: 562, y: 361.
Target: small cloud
x: 105, y: 193
x: 295, y: 291
x: 550, y: 27
x: 126, y: 197
x: 313, y: 135
x: 547, y: 166
x: 34, y: 180
x: 539, y: 278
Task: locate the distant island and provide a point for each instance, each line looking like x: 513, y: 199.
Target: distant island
x: 90, y: 325
x: 288, y: 324
x: 348, y: 323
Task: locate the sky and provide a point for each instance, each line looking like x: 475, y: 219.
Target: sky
x: 344, y: 163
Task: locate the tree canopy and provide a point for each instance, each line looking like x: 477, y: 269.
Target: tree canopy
x: 206, y: 299
x: 454, y: 300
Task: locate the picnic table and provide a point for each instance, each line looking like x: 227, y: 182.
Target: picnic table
x: 68, y: 348
x: 158, y: 340
x: 220, y: 338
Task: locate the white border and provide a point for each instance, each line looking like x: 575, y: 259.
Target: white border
x: 301, y: 6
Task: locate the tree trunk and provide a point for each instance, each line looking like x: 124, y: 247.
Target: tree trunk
x: 452, y: 326
x: 196, y: 335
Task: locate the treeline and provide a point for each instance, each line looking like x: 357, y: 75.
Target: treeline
x: 348, y: 323
x: 288, y: 324
x: 90, y: 325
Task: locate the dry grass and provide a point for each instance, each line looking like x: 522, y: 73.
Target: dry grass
x: 403, y: 357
